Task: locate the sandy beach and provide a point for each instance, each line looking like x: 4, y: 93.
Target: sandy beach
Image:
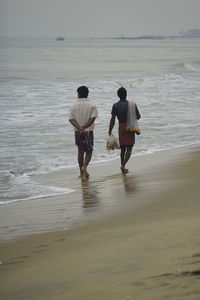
x: 130, y: 237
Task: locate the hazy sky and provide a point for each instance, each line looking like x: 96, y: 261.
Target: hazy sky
x: 90, y: 18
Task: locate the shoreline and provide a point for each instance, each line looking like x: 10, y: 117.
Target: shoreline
x: 65, y: 169
x: 89, y: 199
x: 148, y: 252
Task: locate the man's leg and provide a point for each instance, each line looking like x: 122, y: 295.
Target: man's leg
x: 80, y: 158
x: 127, y: 155
x: 88, y: 156
x: 122, y: 154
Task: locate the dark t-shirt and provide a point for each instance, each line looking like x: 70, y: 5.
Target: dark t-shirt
x: 120, y: 110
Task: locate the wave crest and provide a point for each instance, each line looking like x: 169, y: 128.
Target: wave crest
x: 188, y: 66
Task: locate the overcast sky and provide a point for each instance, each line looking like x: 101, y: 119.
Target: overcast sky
x: 101, y: 18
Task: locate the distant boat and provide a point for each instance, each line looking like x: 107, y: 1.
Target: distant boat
x: 60, y: 38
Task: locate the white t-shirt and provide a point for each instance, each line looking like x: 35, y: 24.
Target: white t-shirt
x: 82, y: 110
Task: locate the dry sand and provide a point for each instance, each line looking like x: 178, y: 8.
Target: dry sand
x: 150, y: 250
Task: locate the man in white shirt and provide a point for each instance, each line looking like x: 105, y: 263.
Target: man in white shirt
x: 82, y: 116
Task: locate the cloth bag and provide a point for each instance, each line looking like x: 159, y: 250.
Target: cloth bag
x: 112, y: 143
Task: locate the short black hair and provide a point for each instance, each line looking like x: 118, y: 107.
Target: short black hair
x: 122, y: 93
x: 83, y: 91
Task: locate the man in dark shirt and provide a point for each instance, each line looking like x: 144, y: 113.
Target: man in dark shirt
x: 126, y: 138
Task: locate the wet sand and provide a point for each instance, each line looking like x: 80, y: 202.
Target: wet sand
x: 106, y: 192
x: 146, y: 248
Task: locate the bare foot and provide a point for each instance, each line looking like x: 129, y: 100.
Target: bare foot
x: 81, y: 174
x: 124, y: 171
x: 84, y: 172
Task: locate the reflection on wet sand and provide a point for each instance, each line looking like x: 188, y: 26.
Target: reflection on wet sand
x: 108, y: 194
x: 90, y: 194
x: 129, y: 184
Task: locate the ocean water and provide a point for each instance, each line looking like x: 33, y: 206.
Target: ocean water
x: 38, y: 82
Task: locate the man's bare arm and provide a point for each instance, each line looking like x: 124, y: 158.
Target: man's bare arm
x: 112, y: 124
x: 76, y: 125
